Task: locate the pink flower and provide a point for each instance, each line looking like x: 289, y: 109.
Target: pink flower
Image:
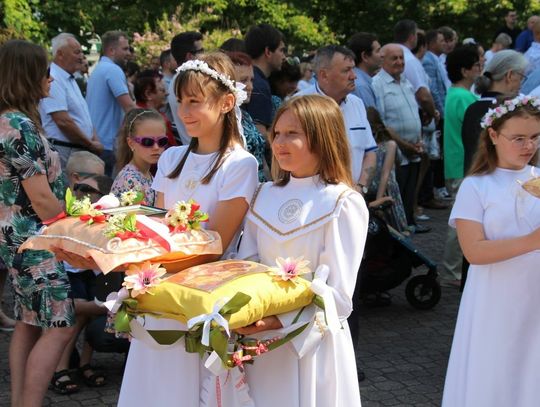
x: 290, y: 268
x: 140, y: 279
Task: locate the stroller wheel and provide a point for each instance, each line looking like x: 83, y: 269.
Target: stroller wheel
x: 423, y: 292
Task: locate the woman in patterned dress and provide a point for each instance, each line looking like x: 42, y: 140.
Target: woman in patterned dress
x: 31, y: 186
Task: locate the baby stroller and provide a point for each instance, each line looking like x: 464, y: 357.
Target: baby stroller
x: 389, y: 259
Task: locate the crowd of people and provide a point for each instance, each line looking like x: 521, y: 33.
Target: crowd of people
x: 291, y: 152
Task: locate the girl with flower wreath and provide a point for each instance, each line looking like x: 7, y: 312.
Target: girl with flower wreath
x: 215, y: 171
x: 311, y: 210
x: 141, y: 141
x: 496, y: 348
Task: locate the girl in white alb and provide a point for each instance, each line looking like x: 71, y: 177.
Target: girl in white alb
x: 495, y: 357
x: 310, y: 211
x: 221, y: 176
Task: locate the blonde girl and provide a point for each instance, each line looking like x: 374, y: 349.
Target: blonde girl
x: 216, y: 171
x: 498, y: 226
x: 141, y: 141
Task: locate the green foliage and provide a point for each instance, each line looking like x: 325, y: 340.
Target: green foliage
x: 19, y: 21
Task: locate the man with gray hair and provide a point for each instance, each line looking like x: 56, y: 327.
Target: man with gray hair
x: 107, y: 93
x: 502, y: 41
x: 334, y: 65
x: 64, y: 113
x: 525, y: 39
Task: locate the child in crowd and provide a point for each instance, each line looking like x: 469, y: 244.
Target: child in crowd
x: 311, y: 210
x: 141, y: 141
x: 221, y: 176
x: 498, y: 226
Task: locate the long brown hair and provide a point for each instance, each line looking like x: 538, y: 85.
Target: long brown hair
x: 198, y: 83
x: 128, y: 129
x: 322, y: 121
x: 485, y: 160
x: 23, y: 66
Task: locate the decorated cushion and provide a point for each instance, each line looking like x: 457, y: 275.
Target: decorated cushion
x: 197, y: 290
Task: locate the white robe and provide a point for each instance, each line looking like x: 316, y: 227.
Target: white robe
x: 327, y: 225
x: 168, y: 375
x: 495, y: 357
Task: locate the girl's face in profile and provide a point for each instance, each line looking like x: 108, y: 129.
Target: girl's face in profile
x: 516, y: 141
x: 290, y: 147
x: 148, y: 140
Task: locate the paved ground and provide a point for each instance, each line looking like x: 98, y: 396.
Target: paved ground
x: 403, y: 351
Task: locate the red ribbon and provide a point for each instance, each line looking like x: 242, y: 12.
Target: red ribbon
x: 145, y: 233
x: 61, y: 215
x: 239, y: 360
x: 97, y: 218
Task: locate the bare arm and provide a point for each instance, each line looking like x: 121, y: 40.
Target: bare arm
x: 125, y: 102
x: 389, y: 160
x: 44, y: 202
x: 479, y: 250
x: 369, y: 166
x: 70, y: 129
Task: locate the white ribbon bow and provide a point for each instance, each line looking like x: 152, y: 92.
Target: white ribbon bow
x: 114, y: 300
x: 319, y: 287
x: 207, y: 319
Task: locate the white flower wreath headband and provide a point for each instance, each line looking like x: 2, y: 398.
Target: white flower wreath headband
x: 508, y: 106
x: 236, y: 88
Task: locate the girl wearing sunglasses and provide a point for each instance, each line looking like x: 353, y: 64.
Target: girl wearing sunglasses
x: 141, y: 141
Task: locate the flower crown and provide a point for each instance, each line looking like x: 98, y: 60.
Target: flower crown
x: 508, y: 106
x: 236, y: 88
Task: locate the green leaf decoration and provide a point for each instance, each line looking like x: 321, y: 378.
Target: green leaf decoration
x: 69, y: 201
x: 218, y: 342
x: 166, y: 337
x: 235, y: 304
x: 287, y: 338
x: 138, y: 198
x: 130, y: 222
x: 121, y: 321
x: 318, y: 301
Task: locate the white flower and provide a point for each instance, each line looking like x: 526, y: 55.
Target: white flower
x: 290, y: 268
x: 506, y: 107
x: 128, y: 198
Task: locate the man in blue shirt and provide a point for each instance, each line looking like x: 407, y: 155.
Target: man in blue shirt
x: 265, y: 45
x: 64, y: 113
x: 367, y: 51
x: 526, y: 38
x: 107, y: 93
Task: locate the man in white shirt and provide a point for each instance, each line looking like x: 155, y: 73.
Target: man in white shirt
x: 406, y: 34
x: 334, y: 65
x: 397, y: 105
x: 64, y: 113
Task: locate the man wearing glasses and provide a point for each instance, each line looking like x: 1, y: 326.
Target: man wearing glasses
x: 184, y: 47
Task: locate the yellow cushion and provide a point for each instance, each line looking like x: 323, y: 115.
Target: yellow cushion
x: 194, y: 291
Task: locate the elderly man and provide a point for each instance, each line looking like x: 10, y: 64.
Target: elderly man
x: 406, y: 34
x: 107, y: 93
x: 64, y: 113
x: 367, y: 51
x: 397, y: 105
x: 334, y: 65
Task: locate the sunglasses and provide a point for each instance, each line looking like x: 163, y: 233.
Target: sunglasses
x: 149, y: 141
x: 86, y: 189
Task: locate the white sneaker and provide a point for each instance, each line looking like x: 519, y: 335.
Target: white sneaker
x: 442, y: 193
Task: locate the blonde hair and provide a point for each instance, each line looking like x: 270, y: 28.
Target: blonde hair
x: 128, y: 129
x: 83, y: 161
x: 193, y: 83
x: 322, y: 121
x: 485, y: 160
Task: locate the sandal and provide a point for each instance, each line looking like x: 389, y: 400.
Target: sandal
x: 67, y: 386
x: 94, y: 379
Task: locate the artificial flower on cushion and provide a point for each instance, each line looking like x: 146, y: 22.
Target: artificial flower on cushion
x: 124, y: 237
x: 140, y: 278
x: 185, y: 216
x: 290, y: 268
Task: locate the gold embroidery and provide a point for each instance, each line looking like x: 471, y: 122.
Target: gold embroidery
x: 290, y: 232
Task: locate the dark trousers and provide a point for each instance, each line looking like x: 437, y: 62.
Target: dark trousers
x: 102, y: 341
x: 407, y: 177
